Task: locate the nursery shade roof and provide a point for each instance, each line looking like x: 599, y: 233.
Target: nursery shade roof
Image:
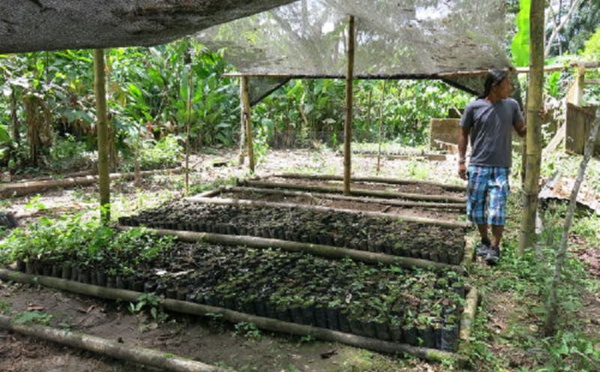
x: 37, y: 25
x: 394, y: 39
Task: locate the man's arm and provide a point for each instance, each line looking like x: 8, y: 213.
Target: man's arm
x: 521, y: 128
x: 463, y: 139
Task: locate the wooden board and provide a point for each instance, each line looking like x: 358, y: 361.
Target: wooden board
x: 444, y: 132
x: 579, y: 122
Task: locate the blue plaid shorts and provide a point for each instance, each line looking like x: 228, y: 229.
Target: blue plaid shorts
x: 487, y: 192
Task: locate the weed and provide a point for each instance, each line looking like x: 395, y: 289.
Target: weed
x: 151, y: 303
x: 247, y: 330
x: 4, y: 307
x: 33, y: 317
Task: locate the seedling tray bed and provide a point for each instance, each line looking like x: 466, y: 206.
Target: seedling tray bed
x: 350, y: 230
x: 415, y: 307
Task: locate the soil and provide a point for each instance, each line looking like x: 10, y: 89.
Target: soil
x: 209, y: 340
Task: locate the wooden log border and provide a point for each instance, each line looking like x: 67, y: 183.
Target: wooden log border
x: 316, y: 249
x: 113, y: 349
x: 237, y: 317
x: 393, y: 202
x: 392, y: 181
x: 25, y: 188
x: 257, y: 203
x: 356, y: 192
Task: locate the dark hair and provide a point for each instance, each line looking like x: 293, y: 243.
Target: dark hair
x: 494, y: 77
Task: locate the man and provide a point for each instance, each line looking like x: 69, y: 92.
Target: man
x: 488, y: 122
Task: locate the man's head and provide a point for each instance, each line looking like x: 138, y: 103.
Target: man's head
x: 497, y: 85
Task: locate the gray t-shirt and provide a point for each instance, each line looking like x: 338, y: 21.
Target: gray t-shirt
x: 491, y: 126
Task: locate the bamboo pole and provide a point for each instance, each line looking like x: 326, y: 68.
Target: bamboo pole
x: 113, y: 349
x: 398, y: 217
x: 393, y: 181
x: 468, y: 317
x: 534, y: 128
x: 358, y: 192
x: 552, y: 303
x: 188, y: 127
x: 25, y: 188
x: 398, y: 203
x: 316, y: 249
x: 349, y: 97
x: 242, y: 154
x: 246, y: 113
x: 102, y: 122
x: 236, y: 317
x: 380, y: 126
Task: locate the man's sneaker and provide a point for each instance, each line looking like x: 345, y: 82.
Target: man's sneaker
x: 493, y: 256
x: 483, y: 248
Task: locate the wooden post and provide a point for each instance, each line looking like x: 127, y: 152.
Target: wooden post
x: 575, y: 94
x: 242, y: 154
x: 349, y: 93
x: 380, y: 127
x: 534, y: 130
x: 102, y: 126
x: 246, y: 117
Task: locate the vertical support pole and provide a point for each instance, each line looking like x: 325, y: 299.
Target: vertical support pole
x: 380, y: 127
x: 242, y: 154
x: 102, y: 127
x: 534, y: 127
x: 246, y: 114
x: 349, y: 96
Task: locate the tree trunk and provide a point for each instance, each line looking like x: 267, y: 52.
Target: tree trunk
x: 552, y: 304
x: 534, y: 130
x: 349, y: 97
x: 558, y: 28
x: 102, y: 123
x: 113, y: 349
x: 14, y: 119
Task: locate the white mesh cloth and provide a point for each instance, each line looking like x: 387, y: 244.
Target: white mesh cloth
x: 394, y: 38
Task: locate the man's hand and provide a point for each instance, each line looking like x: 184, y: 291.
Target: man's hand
x: 462, y: 170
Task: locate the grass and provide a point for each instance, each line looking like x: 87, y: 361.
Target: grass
x: 507, y: 332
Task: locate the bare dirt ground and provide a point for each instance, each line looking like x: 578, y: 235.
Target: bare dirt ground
x: 238, y: 347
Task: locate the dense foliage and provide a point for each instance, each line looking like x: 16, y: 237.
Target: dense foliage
x: 47, y: 108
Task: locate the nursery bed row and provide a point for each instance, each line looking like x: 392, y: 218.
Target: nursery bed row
x: 418, y: 211
x: 426, y: 189
x: 383, y: 235
x: 415, y: 307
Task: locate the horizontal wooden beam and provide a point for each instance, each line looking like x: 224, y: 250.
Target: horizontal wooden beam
x: 441, y: 75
